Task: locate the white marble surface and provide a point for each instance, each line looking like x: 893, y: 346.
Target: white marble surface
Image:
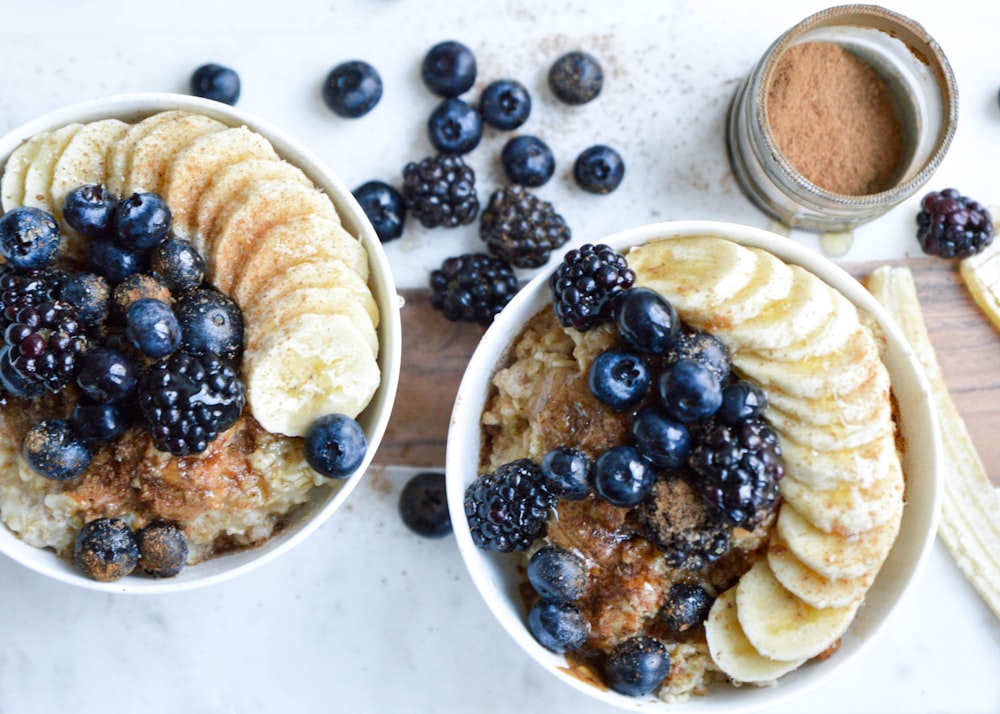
x: 364, y: 616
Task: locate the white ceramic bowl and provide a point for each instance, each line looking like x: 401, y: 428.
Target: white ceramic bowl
x: 324, y: 500
x: 497, y: 578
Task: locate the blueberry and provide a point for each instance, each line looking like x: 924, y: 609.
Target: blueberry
x: 599, y: 169
x: 335, y: 445
x: 210, y: 322
x: 689, y: 390
x: 55, y: 451
x: 637, y: 666
x: 619, y: 379
x: 352, y: 89
x: 449, y: 69
x: 666, y: 442
x: 163, y: 549
x: 98, y: 423
x: 385, y: 207
x: 152, y: 327
x: 106, y: 549
x: 557, y: 574
x: 505, y: 104
x: 423, y: 505
x: 14, y: 381
x: 528, y: 161
x: 576, y: 77
x: 705, y: 348
x: 622, y: 477
x: 455, y: 127
x: 647, y: 321
x: 90, y: 294
x: 214, y: 81
x: 567, y: 473
x: 741, y: 400
x: 108, y: 375
x: 135, y: 287
x: 178, y: 264
x: 90, y: 210
x: 141, y: 221
x: 686, y: 608
x: 29, y: 237
x: 114, y: 262
x: 558, y: 626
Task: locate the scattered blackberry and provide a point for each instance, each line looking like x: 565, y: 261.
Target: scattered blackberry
x: 188, y: 400
x: 472, y: 287
x: 507, y: 509
x: 738, y: 470
x: 586, y: 285
x: 951, y: 225
x: 441, y: 191
x: 521, y: 227
x: 47, y: 343
x: 26, y: 288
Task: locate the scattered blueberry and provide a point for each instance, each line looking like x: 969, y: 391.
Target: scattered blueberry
x: 55, y: 451
x: 108, y: 375
x: 619, y: 379
x: 152, y: 327
x: 114, y: 262
x: 647, y: 321
x: 335, y: 445
x: 90, y: 294
x: 505, y: 104
x: 90, y: 209
x: 567, y: 472
x: 557, y: 574
x: 178, y: 264
x: 98, y: 423
x: 637, y: 666
x: 106, y: 549
x: 558, y: 626
x: 210, y: 322
x: 741, y: 400
x: 622, y: 477
x: 29, y: 237
x: 163, y: 549
x: 686, y: 608
x: 352, y: 89
x: 214, y: 81
x: 576, y: 77
x: 599, y: 169
x: 385, y: 208
x: 141, y: 221
x: 665, y: 441
x: 689, y: 390
x: 527, y: 160
x: 448, y: 69
x: 423, y: 505
x: 455, y: 127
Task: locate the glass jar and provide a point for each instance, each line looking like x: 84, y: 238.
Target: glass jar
x: 922, y: 89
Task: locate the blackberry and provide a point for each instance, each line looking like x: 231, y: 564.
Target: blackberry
x: 521, y: 227
x: 586, y: 286
x: 951, y: 225
x: 47, y: 343
x: 507, y: 509
x: 26, y: 288
x: 441, y: 191
x: 738, y: 470
x: 188, y: 400
x: 472, y: 287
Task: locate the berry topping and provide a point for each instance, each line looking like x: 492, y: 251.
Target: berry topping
x: 678, y: 522
x: 686, y: 608
x: 90, y: 210
x: 619, y: 379
x: 177, y: 264
x: 455, y: 127
x: 622, y: 477
x: 567, y: 473
x: 152, y: 327
x: 557, y: 626
x: 106, y: 549
x: 441, y: 191
x: 576, y: 77
x: 138, y: 286
x: 26, y: 288
x: 505, y: 104
x: 108, y: 375
x: 15, y: 383
x: 598, y: 169
x: 352, y: 89
x: 587, y: 284
x: 664, y: 441
x: 423, y: 505
x: 335, y: 445
x: 951, y: 225
x: 385, y: 208
x: 741, y: 400
x: 90, y: 294
x: 473, y: 287
x: 141, y: 221
x: 113, y: 261
x: 704, y: 348
x: 163, y: 549
x: 47, y: 343
x: 557, y: 574
x: 521, y: 227
x: 647, y: 321
x: 29, y: 237
x: 53, y: 449
x: 637, y: 666
x: 527, y: 160
x: 216, y: 82
x: 210, y: 322
x: 98, y: 423
x: 689, y: 390
x: 449, y: 69
x: 507, y: 509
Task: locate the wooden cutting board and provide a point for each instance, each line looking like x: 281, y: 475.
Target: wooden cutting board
x: 435, y: 352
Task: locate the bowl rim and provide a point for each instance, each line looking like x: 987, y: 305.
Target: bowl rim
x: 492, y: 573
x: 374, y: 419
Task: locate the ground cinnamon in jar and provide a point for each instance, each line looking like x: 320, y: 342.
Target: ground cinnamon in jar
x: 833, y: 118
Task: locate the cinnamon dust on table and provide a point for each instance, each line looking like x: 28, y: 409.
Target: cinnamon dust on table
x: 833, y: 118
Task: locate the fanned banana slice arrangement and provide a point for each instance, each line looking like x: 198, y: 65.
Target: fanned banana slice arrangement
x: 830, y: 403
x: 270, y: 238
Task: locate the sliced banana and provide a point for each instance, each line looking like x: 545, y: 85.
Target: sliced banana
x: 820, y: 470
x: 85, y: 158
x: 120, y: 157
x: 809, y: 586
x: 38, y: 177
x: 833, y: 435
x: 12, y: 183
x: 154, y: 150
x: 863, y: 405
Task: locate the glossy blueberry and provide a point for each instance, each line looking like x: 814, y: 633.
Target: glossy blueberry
x: 647, y: 321
x: 108, y: 375
x: 448, y: 69
x: 741, y: 400
x: 335, y: 445
x: 163, y: 549
x: 619, y: 379
x: 455, y: 127
x: 29, y: 237
x: 576, y: 77
x: 686, y: 608
x: 423, y: 505
x: 106, y: 549
x: 178, y: 264
x: 527, y: 160
x: 14, y: 382
x: 152, y: 327
x: 505, y: 104
x: 665, y: 441
x: 352, y: 89
x: 98, y: 423
x: 557, y: 574
x: 558, y: 626
x: 114, y: 262
x: 210, y: 322
x: 622, y: 477
x: 689, y: 390
x: 567, y: 472
x: 385, y: 207
x: 53, y: 449
x: 89, y: 294
x: 599, y: 169
x: 141, y: 221
x: 217, y: 82
x: 705, y: 348
x: 90, y: 209
x: 637, y: 666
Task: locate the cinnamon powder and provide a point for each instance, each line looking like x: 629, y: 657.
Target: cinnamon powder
x: 833, y: 118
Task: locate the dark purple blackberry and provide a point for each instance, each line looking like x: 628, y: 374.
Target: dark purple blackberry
x: 188, y: 400
x: 521, y: 227
x: 26, y: 288
x: 677, y: 521
x: 738, y: 469
x: 472, y: 287
x: 951, y: 225
x: 586, y: 285
x: 507, y: 509
x: 47, y: 344
x: 441, y: 191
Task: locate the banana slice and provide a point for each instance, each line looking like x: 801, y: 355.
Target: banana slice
x: 981, y: 274
x: 120, y: 157
x: 829, y: 335
x: 820, y: 470
x: 833, y: 435
x: 153, y: 151
x: 38, y: 177
x: 809, y: 586
x: 12, y: 183
x: 780, y: 625
x: 731, y: 650
x: 310, y: 366
x: 863, y: 405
